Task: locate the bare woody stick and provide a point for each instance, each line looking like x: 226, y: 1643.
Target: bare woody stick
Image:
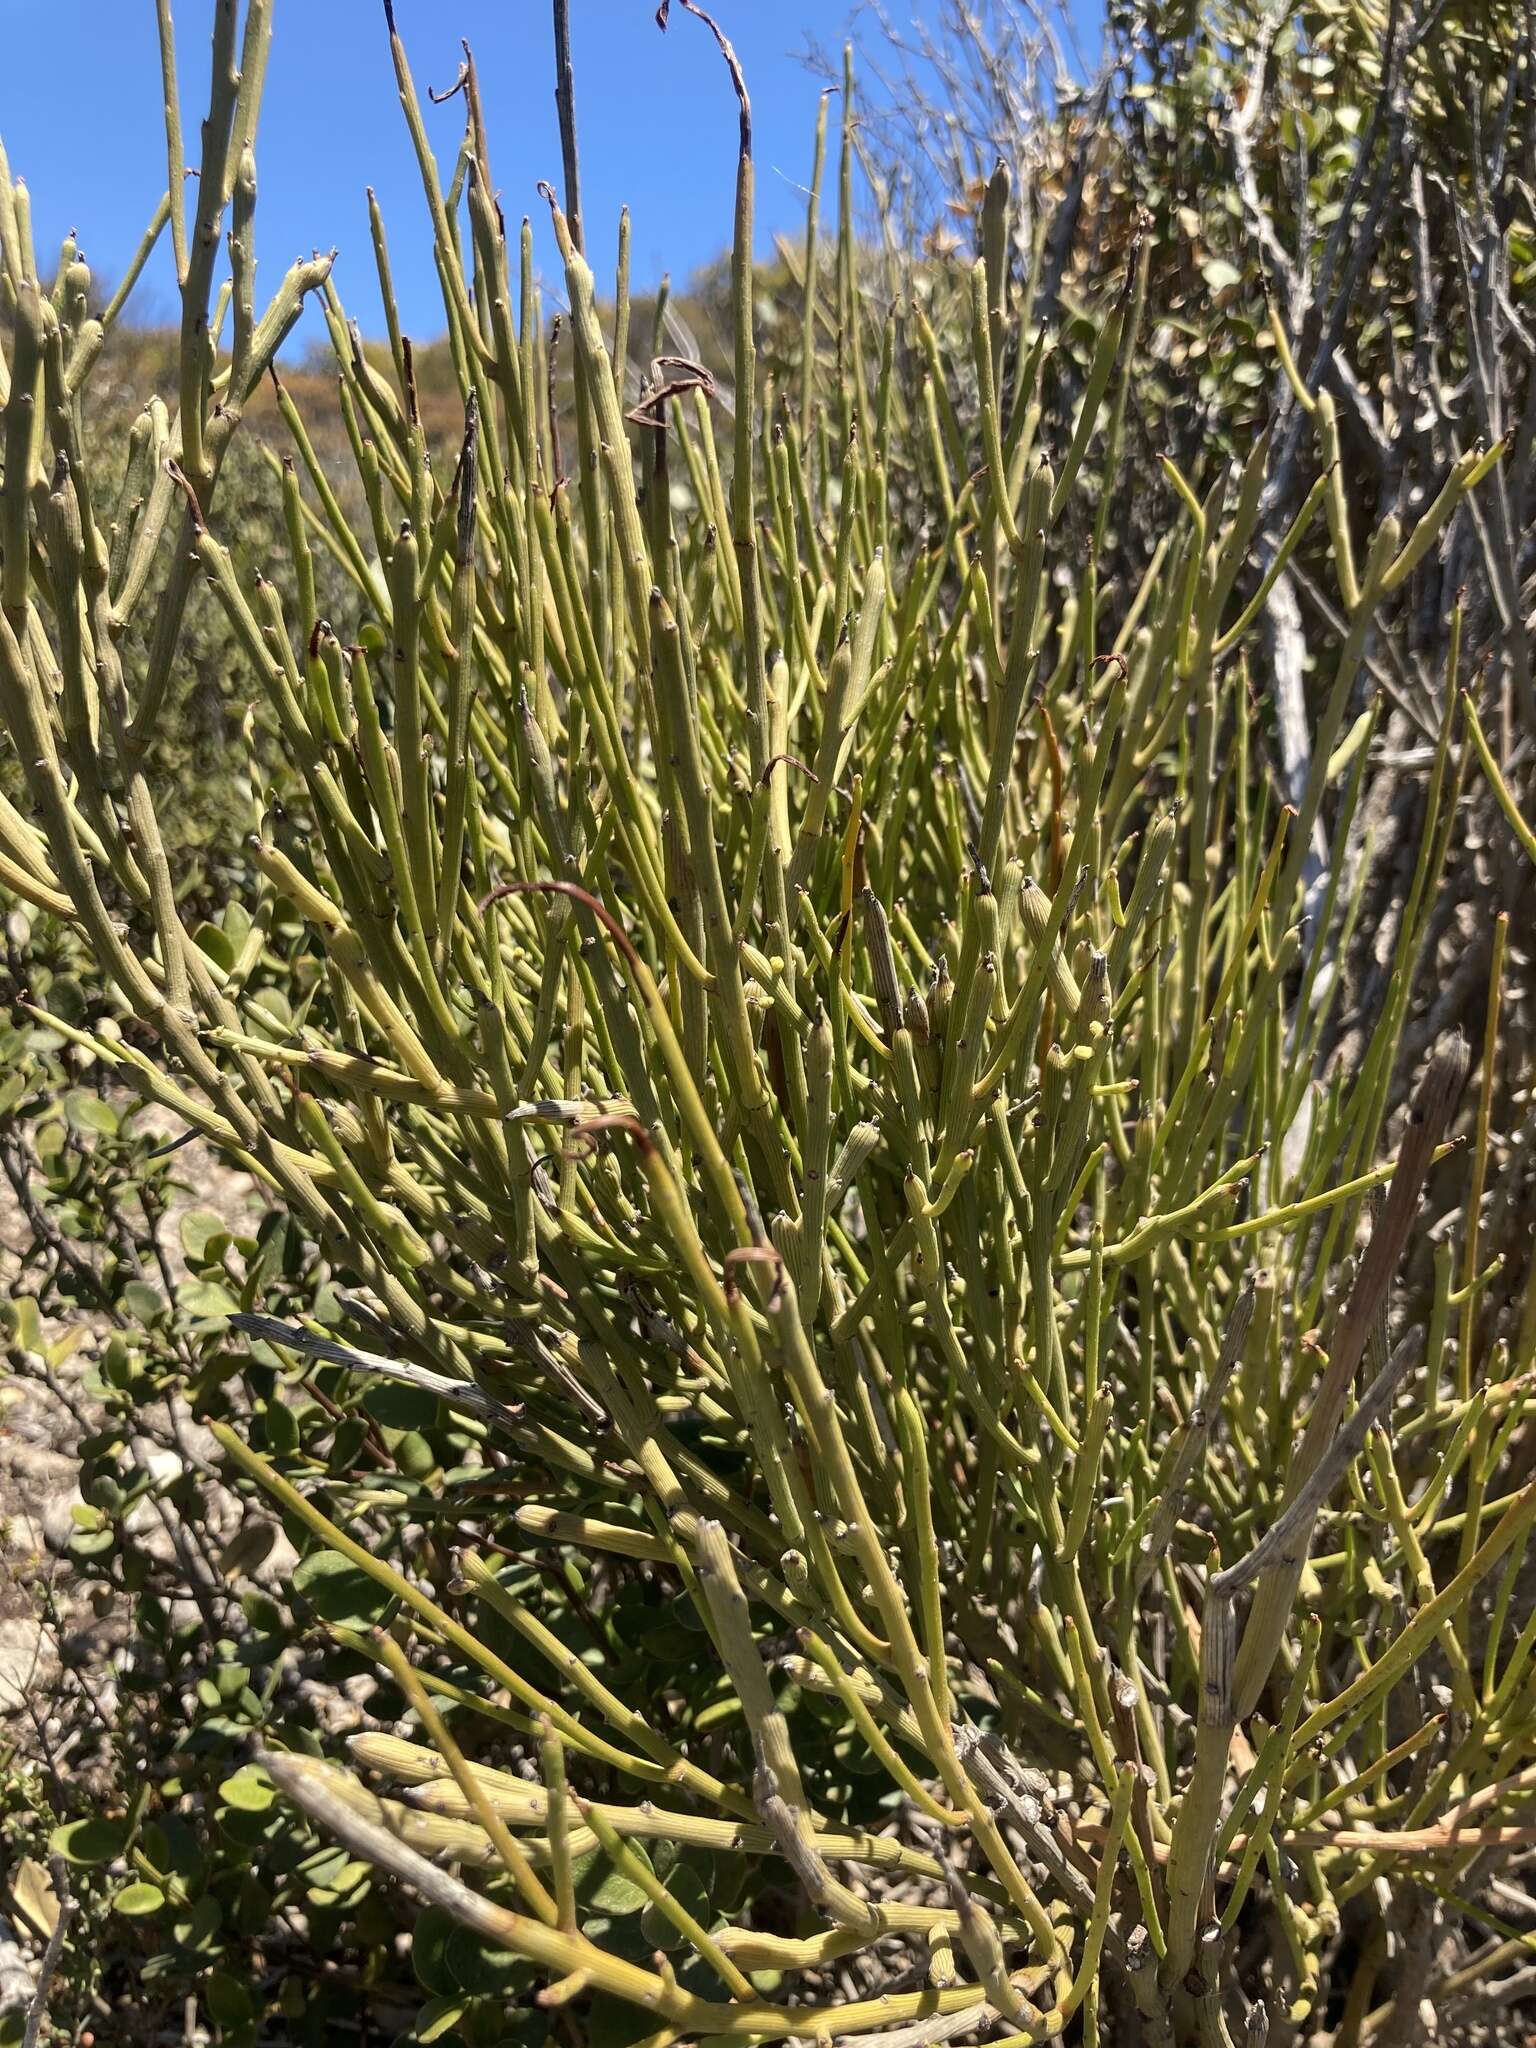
x: 1433, y: 1106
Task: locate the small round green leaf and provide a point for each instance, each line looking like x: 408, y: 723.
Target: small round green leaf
x: 89, y: 1841
x: 340, y: 1591
x: 88, y: 1113
x: 617, y: 1894
x: 229, y: 2003
x: 205, y: 1300
x: 249, y: 1791
x: 478, y: 1967
x: 138, y: 1901
x: 691, y: 1893
x: 198, y: 1229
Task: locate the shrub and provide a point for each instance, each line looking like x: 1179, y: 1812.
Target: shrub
x: 862, y: 1384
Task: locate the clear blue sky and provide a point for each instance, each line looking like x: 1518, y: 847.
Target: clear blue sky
x: 656, y: 118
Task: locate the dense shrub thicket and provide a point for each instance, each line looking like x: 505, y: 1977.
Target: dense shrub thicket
x: 868, y: 987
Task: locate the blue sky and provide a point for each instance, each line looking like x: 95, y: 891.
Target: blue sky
x: 656, y: 119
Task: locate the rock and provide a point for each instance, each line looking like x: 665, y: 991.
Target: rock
x: 23, y: 1536
x: 163, y: 1466
x: 58, y: 1519
x: 17, y: 1982
x: 279, y: 1564
x: 27, y: 1661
